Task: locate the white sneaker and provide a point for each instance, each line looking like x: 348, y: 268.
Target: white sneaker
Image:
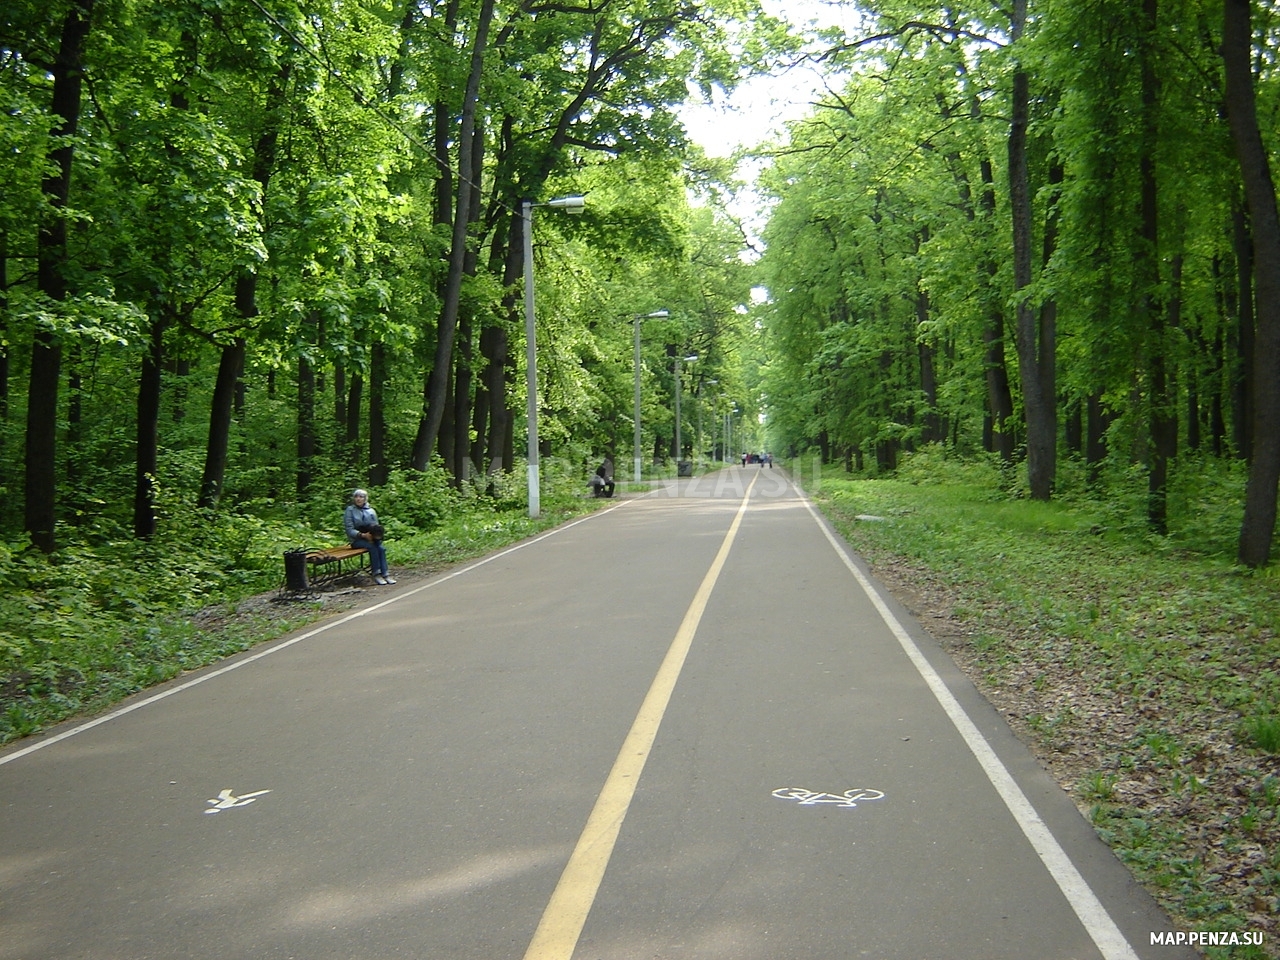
x: 379, y: 578
x: 388, y: 579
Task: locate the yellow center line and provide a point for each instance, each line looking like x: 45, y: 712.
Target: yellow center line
x: 561, y: 925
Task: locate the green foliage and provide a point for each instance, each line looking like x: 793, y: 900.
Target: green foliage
x: 892, y: 310
x: 1262, y: 731
x: 416, y: 501
x: 264, y: 177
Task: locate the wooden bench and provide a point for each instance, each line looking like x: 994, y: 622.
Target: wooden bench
x: 309, y: 570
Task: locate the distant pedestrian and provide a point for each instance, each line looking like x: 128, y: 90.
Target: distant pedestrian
x: 602, y: 483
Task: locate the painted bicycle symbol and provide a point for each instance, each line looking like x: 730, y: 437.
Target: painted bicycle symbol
x: 226, y: 800
x: 809, y: 798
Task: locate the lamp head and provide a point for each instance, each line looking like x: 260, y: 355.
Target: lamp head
x: 574, y: 204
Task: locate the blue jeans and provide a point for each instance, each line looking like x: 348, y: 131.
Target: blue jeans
x: 377, y: 556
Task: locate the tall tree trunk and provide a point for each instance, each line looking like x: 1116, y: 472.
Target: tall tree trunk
x: 444, y: 439
x: 4, y: 354
x: 443, y: 211
x: 934, y: 430
x: 479, y: 426
x: 1194, y: 414
x: 1258, y: 527
x: 438, y: 381
x: 460, y: 446
x: 228, y: 393
x: 1097, y: 422
x: 996, y: 427
x: 306, y: 426
x: 73, y: 364
x: 340, y: 402
x: 4, y: 339
x: 995, y: 363
x: 462, y: 464
x: 500, y: 440
x: 41, y: 493
x: 1217, y: 414
x: 1073, y: 427
x: 1242, y: 366
x: 1049, y: 309
x: 379, y: 468
x: 354, y: 396
x: 220, y: 416
x: 496, y: 346
x: 165, y: 315
x: 1162, y: 422
x: 147, y: 455
x: 1041, y: 422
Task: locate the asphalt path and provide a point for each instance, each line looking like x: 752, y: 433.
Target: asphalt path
x: 687, y: 726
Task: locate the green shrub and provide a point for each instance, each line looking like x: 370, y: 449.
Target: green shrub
x: 936, y: 464
x: 415, y: 500
x: 1262, y: 731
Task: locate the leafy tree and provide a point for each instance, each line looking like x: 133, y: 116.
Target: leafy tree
x: 1260, y: 499
x: 284, y: 255
x: 52, y: 46
x: 1127, y: 269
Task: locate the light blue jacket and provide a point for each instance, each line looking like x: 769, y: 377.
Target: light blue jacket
x: 355, y: 517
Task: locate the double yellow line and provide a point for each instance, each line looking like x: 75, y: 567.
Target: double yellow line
x: 566, y: 913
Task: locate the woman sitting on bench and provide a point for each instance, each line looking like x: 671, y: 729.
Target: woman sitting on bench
x: 365, y: 533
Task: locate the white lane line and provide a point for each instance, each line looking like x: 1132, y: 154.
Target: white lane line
x: 1093, y: 915
x: 323, y: 628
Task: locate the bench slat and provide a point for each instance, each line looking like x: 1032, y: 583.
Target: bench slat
x: 329, y: 554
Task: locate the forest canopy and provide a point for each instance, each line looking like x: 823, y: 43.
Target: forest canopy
x: 270, y: 250
x: 260, y: 251
x: 1043, y: 231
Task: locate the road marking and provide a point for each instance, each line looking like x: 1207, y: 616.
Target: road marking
x: 808, y: 798
x: 566, y: 913
x: 1088, y: 908
x: 226, y: 800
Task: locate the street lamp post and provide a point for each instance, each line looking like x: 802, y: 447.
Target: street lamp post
x: 697, y: 455
x: 574, y: 204
x: 635, y: 322
x: 679, y: 449
x: 723, y: 427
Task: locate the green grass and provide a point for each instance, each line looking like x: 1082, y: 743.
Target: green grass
x: 1146, y: 669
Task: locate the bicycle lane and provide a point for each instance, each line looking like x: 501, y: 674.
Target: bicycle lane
x: 808, y: 795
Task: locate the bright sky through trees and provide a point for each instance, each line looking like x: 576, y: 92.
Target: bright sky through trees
x: 760, y: 106
x: 759, y: 109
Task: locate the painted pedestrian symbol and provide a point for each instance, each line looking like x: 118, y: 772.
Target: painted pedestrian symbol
x: 226, y: 800
x: 809, y: 798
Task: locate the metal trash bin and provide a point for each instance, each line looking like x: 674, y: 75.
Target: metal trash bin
x: 295, y: 571
x: 684, y: 468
